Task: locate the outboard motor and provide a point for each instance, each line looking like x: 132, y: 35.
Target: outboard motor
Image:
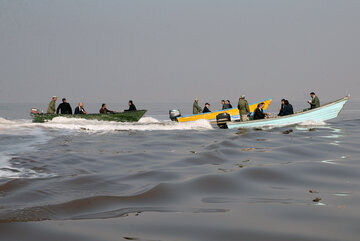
x: 174, y: 114
x: 221, y: 120
x: 35, y: 111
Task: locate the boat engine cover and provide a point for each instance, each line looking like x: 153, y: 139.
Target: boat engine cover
x: 221, y: 120
x: 173, y: 114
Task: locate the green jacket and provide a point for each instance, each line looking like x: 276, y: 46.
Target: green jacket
x: 196, y: 108
x: 315, y: 103
x: 243, y: 107
x: 51, y: 108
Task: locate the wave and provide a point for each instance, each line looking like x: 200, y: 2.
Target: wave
x: 145, y: 124
x: 16, y: 142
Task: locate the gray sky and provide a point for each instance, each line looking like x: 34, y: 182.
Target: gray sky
x: 174, y: 51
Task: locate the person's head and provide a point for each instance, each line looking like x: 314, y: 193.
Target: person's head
x: 312, y: 94
x: 207, y: 105
x: 223, y: 102
x: 54, y: 98
x: 261, y: 105
x: 286, y: 102
x: 242, y: 97
x: 282, y: 101
x: 64, y: 100
x: 81, y: 105
x: 130, y: 102
x: 196, y: 100
x: 103, y: 106
x: 227, y: 101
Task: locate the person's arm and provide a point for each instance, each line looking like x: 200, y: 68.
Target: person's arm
x: 247, y: 107
x: 317, y: 102
x: 57, y: 110
x: 312, y: 103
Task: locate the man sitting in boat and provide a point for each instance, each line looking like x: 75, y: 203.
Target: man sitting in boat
x: 51, y: 107
x: 281, y: 107
x: 79, y: 110
x: 259, y: 112
x: 243, y: 107
x: 228, y: 104
x: 287, y: 109
x: 223, y: 104
x: 132, y: 107
x: 315, y: 102
x: 64, y: 108
x: 196, y: 108
x: 104, y: 110
x: 206, y: 108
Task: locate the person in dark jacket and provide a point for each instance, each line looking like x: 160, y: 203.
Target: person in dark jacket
x: 64, y: 108
x: 104, y: 110
x: 132, y: 107
x: 282, y: 106
x: 259, y: 112
x: 227, y: 105
x: 206, y: 108
x: 223, y: 104
x: 315, y: 102
x: 79, y: 110
x: 227, y: 102
x: 287, y: 109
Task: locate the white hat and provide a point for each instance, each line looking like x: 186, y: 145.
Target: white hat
x: 242, y: 96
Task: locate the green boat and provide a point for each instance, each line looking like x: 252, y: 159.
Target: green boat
x: 127, y: 116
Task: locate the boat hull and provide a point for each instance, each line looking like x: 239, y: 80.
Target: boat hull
x: 127, y: 116
x: 321, y: 114
x: 211, y: 116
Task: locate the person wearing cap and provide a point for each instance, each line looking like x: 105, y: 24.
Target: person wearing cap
x: 315, y: 102
x: 244, y: 109
x: 206, y: 108
x: 51, y: 107
x: 196, y: 108
x: 64, y: 108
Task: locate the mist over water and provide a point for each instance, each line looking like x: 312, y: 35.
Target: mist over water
x: 160, y: 180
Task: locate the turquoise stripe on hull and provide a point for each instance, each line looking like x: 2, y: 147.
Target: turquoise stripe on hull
x: 321, y: 114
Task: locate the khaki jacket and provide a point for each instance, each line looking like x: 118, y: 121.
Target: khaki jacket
x: 243, y: 107
x: 51, y: 108
x: 196, y: 108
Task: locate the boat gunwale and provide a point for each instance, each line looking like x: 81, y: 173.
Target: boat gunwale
x: 44, y: 117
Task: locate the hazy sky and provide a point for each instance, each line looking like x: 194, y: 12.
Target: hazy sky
x: 174, y: 51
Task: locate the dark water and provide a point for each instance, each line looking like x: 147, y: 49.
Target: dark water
x: 156, y: 180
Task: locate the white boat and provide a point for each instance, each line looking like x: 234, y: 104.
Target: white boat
x: 323, y: 113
